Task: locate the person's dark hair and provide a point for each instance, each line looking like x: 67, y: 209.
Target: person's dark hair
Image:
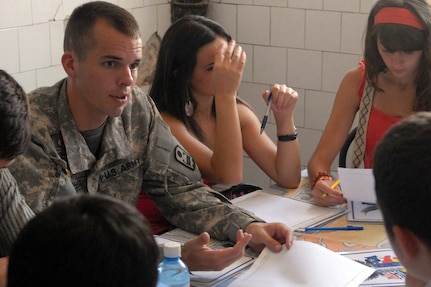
x: 14, y: 118
x: 85, y: 240
x: 401, y: 168
x: 176, y: 62
x: 397, y: 37
x: 79, y: 36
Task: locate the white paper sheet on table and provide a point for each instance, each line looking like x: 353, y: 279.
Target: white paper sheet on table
x: 305, y: 264
x: 293, y: 213
x: 357, y: 184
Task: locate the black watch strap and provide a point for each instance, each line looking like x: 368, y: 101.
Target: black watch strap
x: 288, y: 138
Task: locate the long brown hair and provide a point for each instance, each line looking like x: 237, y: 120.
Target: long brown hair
x: 175, y: 65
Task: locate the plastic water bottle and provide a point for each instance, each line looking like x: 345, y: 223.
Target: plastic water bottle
x: 172, y: 270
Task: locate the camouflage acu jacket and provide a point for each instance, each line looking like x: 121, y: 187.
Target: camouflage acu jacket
x: 137, y: 150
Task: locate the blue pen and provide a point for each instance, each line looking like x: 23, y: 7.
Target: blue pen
x: 265, y: 117
x: 348, y: 227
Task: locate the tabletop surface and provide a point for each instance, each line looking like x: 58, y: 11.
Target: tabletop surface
x: 373, y: 236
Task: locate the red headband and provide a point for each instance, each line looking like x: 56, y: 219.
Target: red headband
x: 394, y: 15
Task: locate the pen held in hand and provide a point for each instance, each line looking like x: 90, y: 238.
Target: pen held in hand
x: 265, y: 117
x: 334, y: 185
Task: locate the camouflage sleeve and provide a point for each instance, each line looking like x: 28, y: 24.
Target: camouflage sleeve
x: 41, y: 175
x: 172, y: 180
x: 14, y: 212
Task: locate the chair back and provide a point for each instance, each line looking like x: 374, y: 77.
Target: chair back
x: 343, y: 152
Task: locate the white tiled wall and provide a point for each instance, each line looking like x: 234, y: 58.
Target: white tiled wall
x: 31, y: 34
x: 308, y: 44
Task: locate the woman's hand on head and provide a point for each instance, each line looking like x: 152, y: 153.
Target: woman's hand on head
x: 228, y: 68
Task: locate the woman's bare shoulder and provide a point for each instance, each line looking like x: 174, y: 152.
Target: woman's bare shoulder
x: 174, y: 123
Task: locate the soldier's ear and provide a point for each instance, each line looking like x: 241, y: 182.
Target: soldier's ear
x: 69, y: 60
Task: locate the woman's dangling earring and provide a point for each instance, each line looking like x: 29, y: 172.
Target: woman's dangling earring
x: 189, y: 109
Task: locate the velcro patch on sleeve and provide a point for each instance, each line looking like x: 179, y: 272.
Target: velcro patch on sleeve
x: 184, y: 158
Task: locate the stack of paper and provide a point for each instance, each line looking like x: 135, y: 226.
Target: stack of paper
x: 220, y: 278
x: 294, y: 213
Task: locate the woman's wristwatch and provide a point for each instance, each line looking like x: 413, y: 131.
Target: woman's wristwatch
x: 288, y: 138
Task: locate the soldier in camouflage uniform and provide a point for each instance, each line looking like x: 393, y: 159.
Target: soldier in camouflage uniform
x: 95, y: 132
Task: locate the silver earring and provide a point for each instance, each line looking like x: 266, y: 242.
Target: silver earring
x: 189, y: 109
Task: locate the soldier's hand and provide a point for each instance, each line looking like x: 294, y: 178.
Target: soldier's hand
x: 271, y: 235
x: 199, y: 257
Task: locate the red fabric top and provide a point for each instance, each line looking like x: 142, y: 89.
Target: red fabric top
x: 149, y: 209
x: 378, y: 124
x: 159, y: 224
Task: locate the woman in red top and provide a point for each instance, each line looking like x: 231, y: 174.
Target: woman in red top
x: 396, y: 72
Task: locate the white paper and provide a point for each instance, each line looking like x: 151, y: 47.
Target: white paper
x: 305, y: 264
x: 294, y: 213
x: 357, y: 184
